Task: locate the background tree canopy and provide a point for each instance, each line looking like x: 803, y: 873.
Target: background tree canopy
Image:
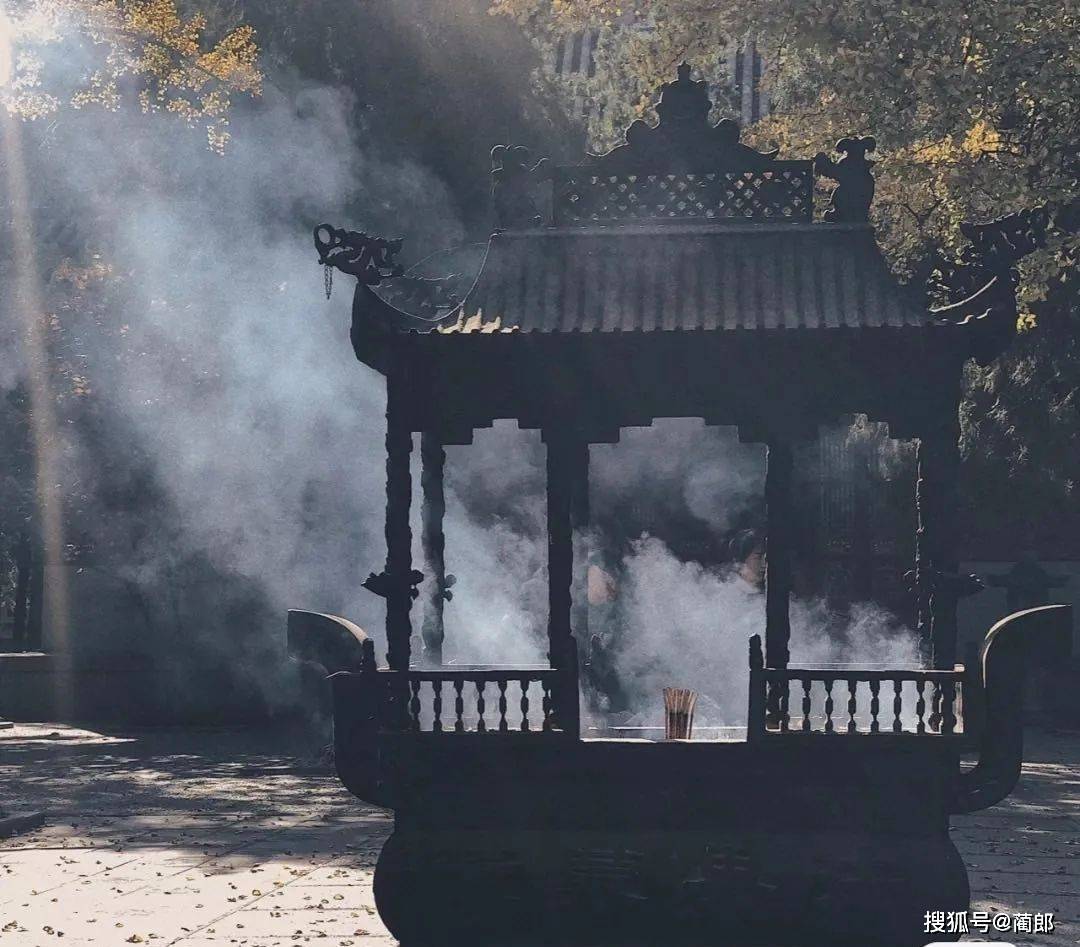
x: 975, y: 106
x: 147, y: 48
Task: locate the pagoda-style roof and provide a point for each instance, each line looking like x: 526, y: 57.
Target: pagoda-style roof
x: 682, y: 273
x: 729, y: 277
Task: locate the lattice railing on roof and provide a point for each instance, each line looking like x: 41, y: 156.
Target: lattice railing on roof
x: 782, y: 192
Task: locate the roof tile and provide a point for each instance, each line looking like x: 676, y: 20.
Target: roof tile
x: 819, y: 276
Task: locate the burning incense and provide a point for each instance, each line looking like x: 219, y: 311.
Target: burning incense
x: 679, y: 705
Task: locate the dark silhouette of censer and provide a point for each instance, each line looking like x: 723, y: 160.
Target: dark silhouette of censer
x: 683, y: 274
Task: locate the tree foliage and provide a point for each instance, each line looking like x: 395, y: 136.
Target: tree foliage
x: 975, y: 106
x: 142, y: 47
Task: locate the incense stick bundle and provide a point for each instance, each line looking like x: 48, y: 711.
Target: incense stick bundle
x: 679, y: 705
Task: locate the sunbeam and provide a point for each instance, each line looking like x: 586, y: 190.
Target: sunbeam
x: 28, y: 305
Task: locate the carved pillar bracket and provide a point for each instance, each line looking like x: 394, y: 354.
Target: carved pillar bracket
x: 567, y: 491
x: 398, y: 582
x: 938, y: 585
x: 432, y: 461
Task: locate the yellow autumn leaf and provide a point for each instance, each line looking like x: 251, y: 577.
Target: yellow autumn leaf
x: 982, y: 139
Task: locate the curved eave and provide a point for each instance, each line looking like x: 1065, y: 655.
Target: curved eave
x: 775, y: 280
x: 376, y: 323
x: 985, y: 322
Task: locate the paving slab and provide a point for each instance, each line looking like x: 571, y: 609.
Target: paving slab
x: 1022, y: 854
x: 203, y: 838
x: 178, y: 837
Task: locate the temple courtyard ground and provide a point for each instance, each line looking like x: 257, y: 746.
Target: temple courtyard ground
x: 208, y: 837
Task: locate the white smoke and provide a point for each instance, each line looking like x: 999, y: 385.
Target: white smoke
x: 218, y: 366
x: 227, y: 462
x: 673, y: 621
x: 679, y: 466
x: 682, y: 624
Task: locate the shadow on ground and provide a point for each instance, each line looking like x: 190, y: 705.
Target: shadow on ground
x: 192, y: 791
x: 204, y: 837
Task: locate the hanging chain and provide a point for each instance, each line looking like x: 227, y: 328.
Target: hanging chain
x: 328, y: 279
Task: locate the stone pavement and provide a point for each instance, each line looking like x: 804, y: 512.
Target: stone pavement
x: 207, y: 838
x: 193, y: 838
x: 1022, y: 855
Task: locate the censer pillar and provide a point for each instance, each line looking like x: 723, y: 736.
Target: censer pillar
x: 780, y: 529
x: 433, y: 540
x: 567, y: 502
x: 398, y: 588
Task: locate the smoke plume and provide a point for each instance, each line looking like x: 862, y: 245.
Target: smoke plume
x: 222, y: 451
